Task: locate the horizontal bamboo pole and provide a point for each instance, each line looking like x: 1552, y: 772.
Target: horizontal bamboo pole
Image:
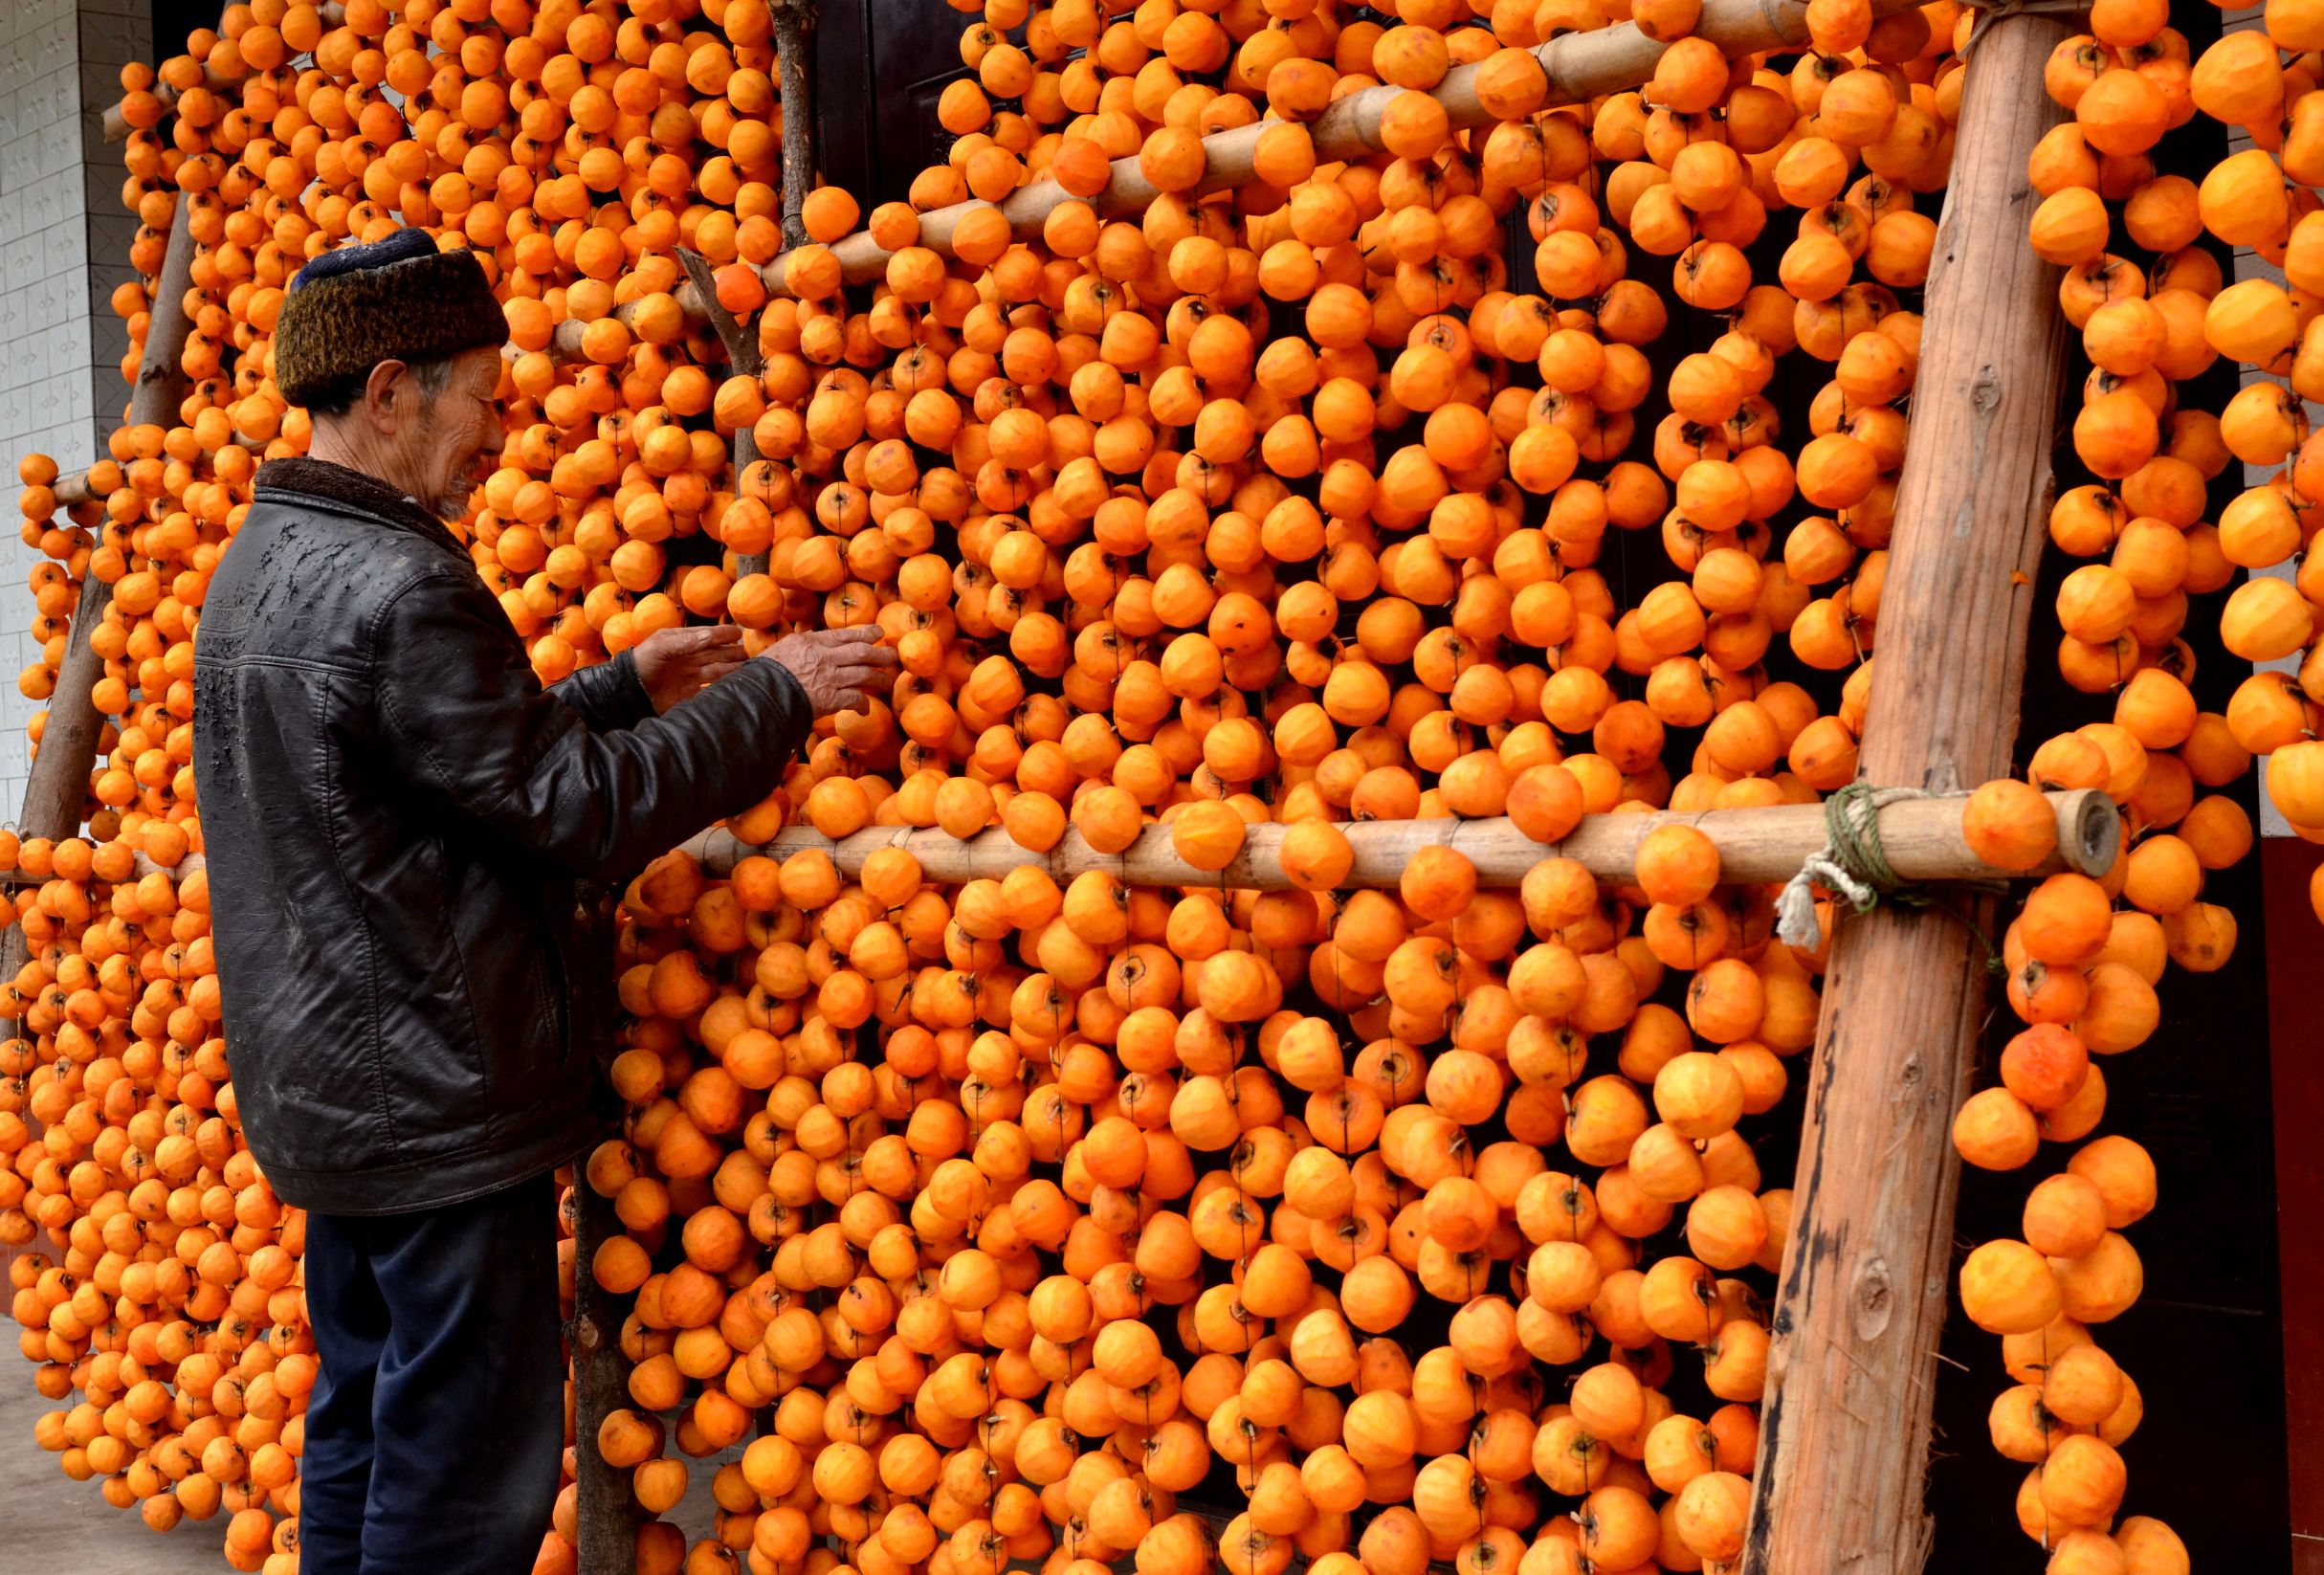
x: 1921, y: 839
x: 564, y: 339
x: 73, y: 489
x: 1580, y: 66
x: 333, y: 13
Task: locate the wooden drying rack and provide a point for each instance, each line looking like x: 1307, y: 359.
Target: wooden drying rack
x: 1845, y: 1433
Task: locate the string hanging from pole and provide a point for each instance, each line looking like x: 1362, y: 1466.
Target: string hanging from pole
x: 1854, y: 866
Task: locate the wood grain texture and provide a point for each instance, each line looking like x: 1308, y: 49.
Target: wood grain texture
x: 794, y: 29
x: 1580, y: 66
x: 605, y: 1529
x: 1845, y: 1428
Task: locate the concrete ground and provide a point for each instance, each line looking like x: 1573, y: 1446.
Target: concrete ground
x: 52, y: 1525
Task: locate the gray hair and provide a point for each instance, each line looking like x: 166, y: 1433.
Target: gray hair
x: 339, y: 398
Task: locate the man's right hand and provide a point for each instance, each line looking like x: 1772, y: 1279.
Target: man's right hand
x: 838, y: 668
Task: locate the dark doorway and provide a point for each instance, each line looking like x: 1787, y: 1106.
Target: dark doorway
x: 880, y: 65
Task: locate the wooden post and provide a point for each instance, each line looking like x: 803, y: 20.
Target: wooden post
x: 1580, y: 66
x: 1843, y: 1437
x: 58, y: 786
x: 604, y: 1529
x: 794, y: 29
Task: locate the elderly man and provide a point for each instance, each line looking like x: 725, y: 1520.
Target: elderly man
x: 395, y: 814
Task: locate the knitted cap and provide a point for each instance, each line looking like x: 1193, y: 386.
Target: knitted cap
x: 399, y: 299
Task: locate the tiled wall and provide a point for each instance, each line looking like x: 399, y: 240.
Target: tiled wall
x: 64, y: 245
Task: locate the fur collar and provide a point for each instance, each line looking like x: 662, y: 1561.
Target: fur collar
x: 334, y: 483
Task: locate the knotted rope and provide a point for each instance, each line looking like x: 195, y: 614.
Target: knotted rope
x: 1854, y: 866
x: 1852, y: 863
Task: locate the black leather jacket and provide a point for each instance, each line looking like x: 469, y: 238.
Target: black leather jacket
x: 395, y: 815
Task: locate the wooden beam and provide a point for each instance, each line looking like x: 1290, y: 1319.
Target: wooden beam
x: 1921, y: 839
x: 1844, y: 1438
x: 1580, y: 66
x: 58, y: 786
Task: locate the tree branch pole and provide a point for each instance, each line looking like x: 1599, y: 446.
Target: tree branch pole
x: 794, y: 29
x: 58, y: 787
x: 742, y: 358
x: 1844, y: 1439
x: 1580, y: 66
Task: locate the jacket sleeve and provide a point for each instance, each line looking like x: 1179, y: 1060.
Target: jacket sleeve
x: 609, y: 696
x: 465, y: 723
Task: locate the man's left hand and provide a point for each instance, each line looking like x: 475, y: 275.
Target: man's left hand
x: 676, y: 664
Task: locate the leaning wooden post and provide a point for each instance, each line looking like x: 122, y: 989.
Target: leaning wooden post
x: 1843, y: 1437
x: 794, y: 30
x: 57, y: 788
x: 603, y: 1528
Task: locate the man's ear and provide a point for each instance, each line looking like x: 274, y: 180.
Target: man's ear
x: 387, y: 391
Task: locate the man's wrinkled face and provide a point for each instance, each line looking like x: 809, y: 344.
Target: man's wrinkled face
x: 449, y: 449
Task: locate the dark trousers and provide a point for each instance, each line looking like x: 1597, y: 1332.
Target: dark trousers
x: 434, y: 1435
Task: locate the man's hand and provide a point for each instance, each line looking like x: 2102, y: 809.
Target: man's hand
x: 676, y: 664
x: 836, y: 667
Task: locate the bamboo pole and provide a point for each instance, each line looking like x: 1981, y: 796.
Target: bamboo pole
x: 1921, y: 837
x: 1580, y: 66
x: 73, y: 491
x: 57, y: 788
x: 334, y: 12
x: 1844, y: 1438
